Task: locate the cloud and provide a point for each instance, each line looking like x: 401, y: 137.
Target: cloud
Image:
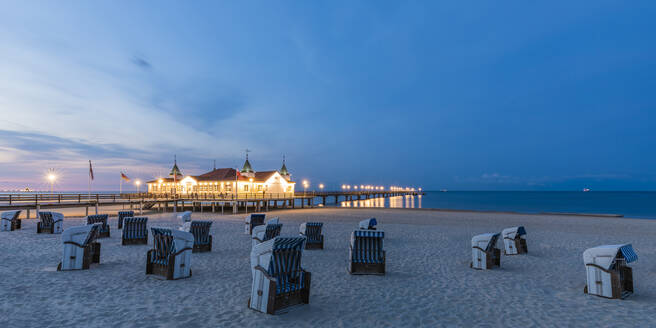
x: 141, y: 63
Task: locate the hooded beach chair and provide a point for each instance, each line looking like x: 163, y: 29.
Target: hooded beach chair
x: 80, y: 247
x: 253, y: 221
x: 279, y: 280
x: 202, y: 237
x: 266, y: 232
x: 184, y: 217
x: 368, y: 224
x: 122, y: 215
x: 102, y: 219
x: 485, y: 254
x: 135, y: 231
x: 312, y: 231
x: 51, y: 222
x: 9, y: 221
x: 171, y: 253
x: 514, y: 241
x: 606, y: 270
x: 366, y: 253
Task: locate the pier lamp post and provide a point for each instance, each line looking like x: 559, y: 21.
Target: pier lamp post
x: 52, y: 177
x: 306, y: 184
x: 138, y: 184
x: 321, y: 186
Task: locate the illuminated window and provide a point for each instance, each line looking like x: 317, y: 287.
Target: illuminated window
x: 259, y: 188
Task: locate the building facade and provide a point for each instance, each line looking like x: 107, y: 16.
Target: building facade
x: 226, y: 181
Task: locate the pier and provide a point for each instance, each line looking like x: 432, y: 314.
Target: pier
x: 201, y: 202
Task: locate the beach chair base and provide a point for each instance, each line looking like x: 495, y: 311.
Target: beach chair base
x: 15, y: 224
x: 135, y: 241
x: 283, y: 301
x: 367, y: 269
x: 40, y: 229
x: 492, y: 259
x: 104, y: 234
x: 164, y: 270
x: 314, y: 245
x: 621, y: 289
x: 202, y: 248
x: 519, y: 245
x: 91, y: 255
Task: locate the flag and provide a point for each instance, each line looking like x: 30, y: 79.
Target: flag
x: 90, y: 171
x: 125, y: 177
x: 238, y: 174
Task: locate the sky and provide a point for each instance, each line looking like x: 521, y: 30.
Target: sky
x: 512, y: 95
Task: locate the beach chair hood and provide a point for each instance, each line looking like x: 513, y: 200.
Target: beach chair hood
x: 368, y: 223
x: 9, y: 215
x: 56, y: 216
x: 275, y: 220
x: 513, y: 232
x: 78, y: 234
x: 485, y: 240
x: 604, y: 256
x: 185, y: 216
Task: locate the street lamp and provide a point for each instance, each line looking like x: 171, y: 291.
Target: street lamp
x: 306, y: 184
x: 138, y: 184
x: 321, y: 186
x: 52, y: 177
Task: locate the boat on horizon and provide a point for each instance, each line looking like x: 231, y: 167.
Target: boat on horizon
x: 586, y: 189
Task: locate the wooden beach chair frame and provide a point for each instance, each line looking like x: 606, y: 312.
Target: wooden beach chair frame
x: 11, y: 223
x: 202, y: 236
x: 518, y: 242
x: 50, y: 222
x: 135, y: 231
x: 492, y: 254
x: 164, y: 240
x: 90, y: 247
x: 252, y: 221
x: 102, y: 219
x: 366, y: 253
x: 312, y: 231
x: 266, y: 295
x: 122, y: 215
x: 619, y: 276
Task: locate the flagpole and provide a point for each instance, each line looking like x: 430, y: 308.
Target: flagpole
x: 89, y: 195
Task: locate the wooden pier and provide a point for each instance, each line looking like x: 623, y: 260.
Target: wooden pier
x: 214, y: 202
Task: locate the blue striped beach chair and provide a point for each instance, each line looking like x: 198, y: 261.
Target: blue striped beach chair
x: 312, y: 231
x: 135, y: 231
x: 171, y: 253
x: 368, y: 224
x: 102, y: 219
x: 9, y: 221
x: 279, y: 280
x: 202, y: 237
x: 80, y: 247
x: 366, y: 253
x: 266, y: 232
x: 122, y: 215
x: 50, y: 222
x: 608, y: 274
x: 253, y: 221
x: 485, y: 254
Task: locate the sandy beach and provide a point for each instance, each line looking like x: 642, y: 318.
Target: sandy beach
x: 428, y: 281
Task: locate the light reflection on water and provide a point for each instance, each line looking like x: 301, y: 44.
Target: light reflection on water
x: 392, y: 202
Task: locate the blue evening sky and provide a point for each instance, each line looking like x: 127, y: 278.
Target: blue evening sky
x: 510, y: 95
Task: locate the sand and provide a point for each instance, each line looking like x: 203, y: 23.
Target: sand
x: 428, y: 281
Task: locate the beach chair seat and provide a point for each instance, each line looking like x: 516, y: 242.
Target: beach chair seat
x: 279, y: 281
x: 9, y: 221
x: 514, y: 241
x: 366, y: 253
x: 122, y: 215
x: 485, y: 254
x: 135, y: 231
x: 184, y: 217
x: 50, y: 222
x: 607, y: 272
x: 253, y: 221
x: 102, y: 219
x: 368, y: 224
x: 266, y: 232
x: 171, y: 253
x: 312, y: 232
x: 202, y: 236
x: 80, y: 247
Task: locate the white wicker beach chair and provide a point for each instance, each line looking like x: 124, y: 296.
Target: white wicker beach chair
x: 368, y: 224
x: 51, y: 222
x: 80, y: 247
x: 514, y: 240
x: 265, y: 232
x: 485, y: 254
x: 606, y: 270
x: 171, y: 253
x: 184, y: 217
x: 9, y: 221
x: 253, y: 221
x: 312, y: 231
x: 279, y: 280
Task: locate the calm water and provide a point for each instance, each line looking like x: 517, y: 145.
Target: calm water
x: 629, y: 204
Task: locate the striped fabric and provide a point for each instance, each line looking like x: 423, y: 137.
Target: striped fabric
x: 135, y: 227
x: 629, y: 253
x: 272, y: 231
x: 93, y: 234
x: 493, y: 242
x: 99, y: 218
x: 201, y: 232
x: 46, y: 219
x: 313, y: 231
x: 163, y: 245
x: 367, y: 246
x: 122, y: 215
x: 285, y: 264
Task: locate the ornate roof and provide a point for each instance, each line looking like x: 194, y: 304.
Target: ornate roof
x: 175, y: 171
x: 283, y: 169
x: 247, y: 166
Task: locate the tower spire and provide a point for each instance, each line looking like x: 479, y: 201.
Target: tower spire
x: 283, y: 169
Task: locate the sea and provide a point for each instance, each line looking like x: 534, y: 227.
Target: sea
x: 632, y: 204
